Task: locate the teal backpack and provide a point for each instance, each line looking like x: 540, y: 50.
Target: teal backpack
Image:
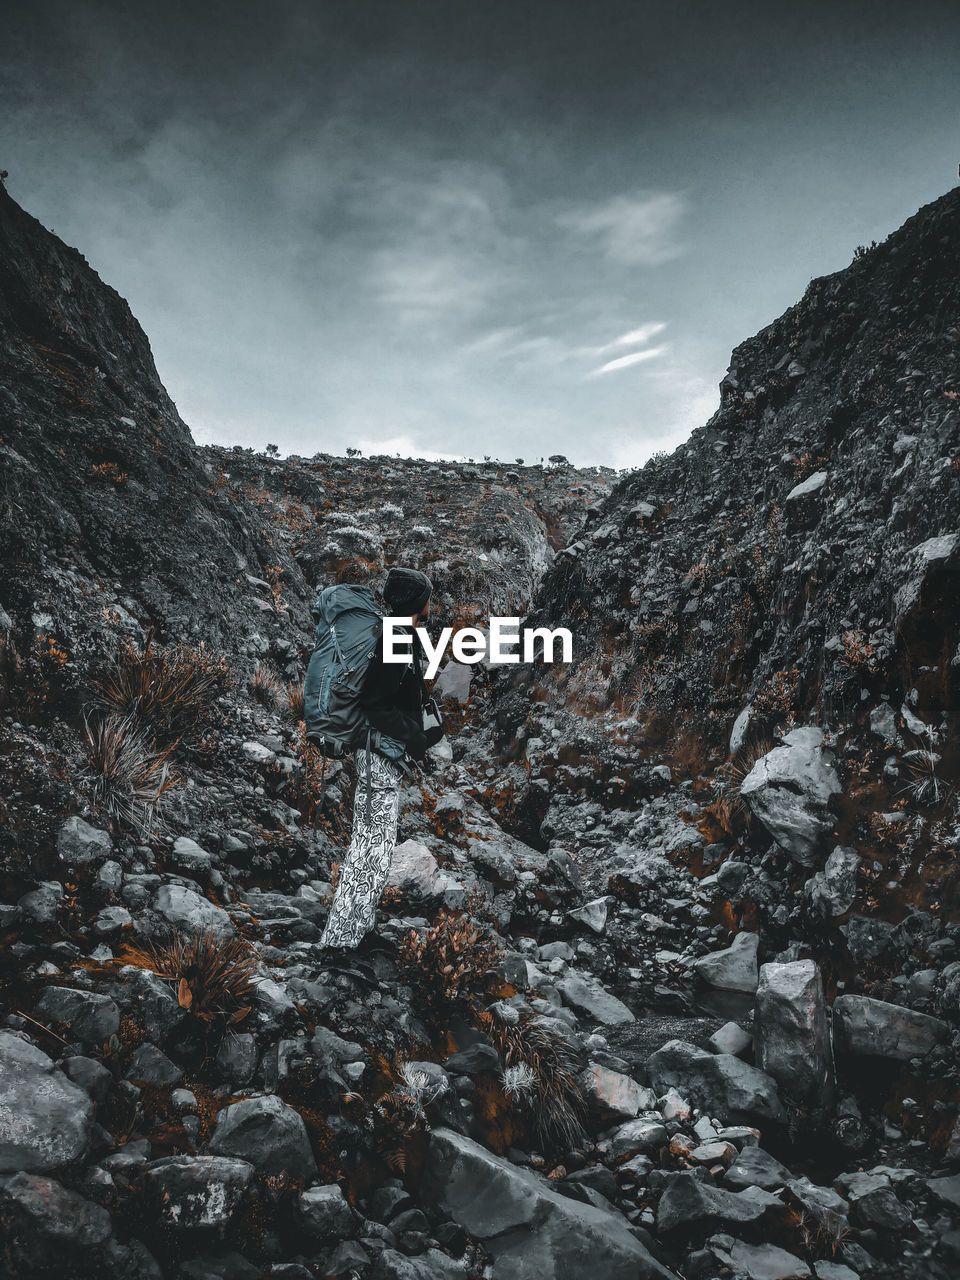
x: 348, y: 632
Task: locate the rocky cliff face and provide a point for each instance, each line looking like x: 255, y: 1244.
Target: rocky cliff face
x: 666, y: 980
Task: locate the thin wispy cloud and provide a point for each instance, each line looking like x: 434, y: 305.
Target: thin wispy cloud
x: 633, y: 230
x: 635, y: 338
x: 635, y: 357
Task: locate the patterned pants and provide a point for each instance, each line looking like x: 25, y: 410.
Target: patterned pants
x: 364, y: 870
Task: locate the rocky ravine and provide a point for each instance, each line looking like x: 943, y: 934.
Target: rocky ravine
x: 642, y: 1009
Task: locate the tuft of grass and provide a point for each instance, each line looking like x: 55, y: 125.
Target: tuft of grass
x: 213, y: 976
x: 293, y: 696
x: 542, y: 1073
x: 169, y: 690
x: 127, y: 776
x: 265, y: 686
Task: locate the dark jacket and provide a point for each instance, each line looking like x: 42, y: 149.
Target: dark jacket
x: 392, y: 695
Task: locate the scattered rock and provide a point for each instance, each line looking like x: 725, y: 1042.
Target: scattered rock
x: 188, y: 1192
x: 733, y: 969
x: 791, y: 1032
x: 45, y: 1119
x: 90, y: 1017
x: 268, y: 1133
x: 79, y: 843
x: 585, y: 994
x: 789, y: 789
x: 720, y: 1082
x: 186, y: 909
x: 875, y: 1028
x: 324, y: 1213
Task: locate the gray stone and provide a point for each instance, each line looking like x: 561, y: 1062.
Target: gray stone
x: 111, y: 920
x: 592, y: 914
x: 237, y: 1057
x: 268, y: 1133
x: 762, y: 1262
x: 186, y: 909
x: 867, y: 939
x: 883, y: 722
x: 643, y: 1136
x: 189, y: 856
x: 719, y: 1083
x: 150, y: 1065
x: 616, y: 1094
x: 833, y: 889
x: 92, y: 1076
x: 79, y: 843
x: 791, y: 1032
x: 45, y: 1119
x: 734, y: 968
x: 416, y: 874
x: 47, y: 1227
x: 697, y: 1207
x: 875, y: 1028
x: 187, y: 1192
x: 946, y: 1189
x: 40, y: 904
x: 730, y: 1038
x: 526, y: 1225
x: 389, y: 1264
x: 882, y: 1210
x: 323, y: 1212
x: 90, y: 1017
x: 150, y: 1001
x: 583, y: 993
x: 754, y: 1167
x: 789, y: 789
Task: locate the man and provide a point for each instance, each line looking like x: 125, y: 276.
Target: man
x: 392, y: 697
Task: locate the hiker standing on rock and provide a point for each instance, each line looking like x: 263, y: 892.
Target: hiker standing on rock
x: 355, y: 700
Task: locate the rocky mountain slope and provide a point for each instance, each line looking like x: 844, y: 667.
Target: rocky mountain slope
x: 667, y: 981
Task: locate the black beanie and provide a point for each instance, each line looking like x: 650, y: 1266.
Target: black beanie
x: 406, y: 590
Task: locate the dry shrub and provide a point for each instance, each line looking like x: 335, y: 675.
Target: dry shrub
x: 265, y: 686
x: 293, y: 696
x: 542, y: 1074
x: 448, y: 964
x: 170, y: 690
x: 127, y: 776
x: 213, y: 976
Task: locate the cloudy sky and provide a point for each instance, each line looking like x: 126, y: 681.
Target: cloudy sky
x: 469, y: 227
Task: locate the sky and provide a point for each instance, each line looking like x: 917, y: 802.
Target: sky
x: 468, y: 228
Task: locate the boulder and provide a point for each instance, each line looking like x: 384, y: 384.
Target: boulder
x: 615, y: 1094
x: 526, y: 1225
x: 875, y: 1028
x: 45, y: 1119
x: 150, y: 1001
x: 734, y: 968
x: 762, y: 1261
x: 79, y: 843
x: 48, y: 1230
x: 592, y: 914
x: 789, y: 789
x: 415, y: 873
x: 389, y: 1264
x: 186, y: 1192
x: 323, y: 1212
x: 867, y: 939
x: 188, y: 910
x: 730, y: 1038
x: 268, y: 1133
x: 585, y: 994
x: 754, y: 1167
x: 150, y: 1065
x: 90, y: 1017
x: 791, y: 1031
x: 698, y: 1207
x: 718, y: 1082
x: 832, y: 890
x: 643, y: 1136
